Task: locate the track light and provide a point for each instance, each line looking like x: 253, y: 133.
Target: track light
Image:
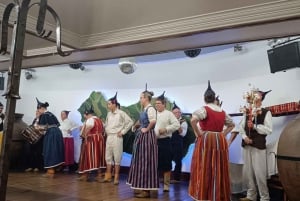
x: 127, y: 65
x: 77, y: 66
x: 29, y: 73
x: 192, y: 53
x: 237, y: 48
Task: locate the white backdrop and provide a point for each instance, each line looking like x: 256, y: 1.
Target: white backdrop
x: 184, y: 81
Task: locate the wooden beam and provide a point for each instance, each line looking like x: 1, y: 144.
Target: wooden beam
x: 181, y: 42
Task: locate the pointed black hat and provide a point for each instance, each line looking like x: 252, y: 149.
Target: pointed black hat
x: 263, y: 94
x: 146, y: 90
x: 41, y: 104
x: 175, y: 106
x: 161, y: 97
x: 113, y: 100
x: 209, y: 92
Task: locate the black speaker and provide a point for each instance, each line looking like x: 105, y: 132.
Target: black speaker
x: 1, y: 83
x: 284, y: 57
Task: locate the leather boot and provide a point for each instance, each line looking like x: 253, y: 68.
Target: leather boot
x: 116, y: 179
x: 50, y: 173
x: 107, y: 178
x: 137, y: 191
x: 83, y: 177
x: 117, y: 171
x: 167, y: 176
x: 143, y: 194
x: 100, y: 175
x: 245, y: 199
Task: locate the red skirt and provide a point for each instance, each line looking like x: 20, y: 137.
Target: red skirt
x: 69, y: 150
x: 92, y: 155
x: 210, y: 168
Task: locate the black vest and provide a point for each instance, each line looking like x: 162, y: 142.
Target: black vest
x: 259, y: 141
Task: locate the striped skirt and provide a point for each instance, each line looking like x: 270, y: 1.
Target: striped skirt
x: 92, y: 155
x: 210, y: 168
x: 143, y: 172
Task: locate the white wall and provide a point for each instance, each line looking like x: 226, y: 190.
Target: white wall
x: 183, y: 79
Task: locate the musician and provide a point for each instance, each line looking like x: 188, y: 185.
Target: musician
x: 53, y: 143
x: 35, y: 157
x: 177, y: 143
x: 254, y: 128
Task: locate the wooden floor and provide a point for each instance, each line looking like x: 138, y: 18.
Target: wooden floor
x: 66, y: 187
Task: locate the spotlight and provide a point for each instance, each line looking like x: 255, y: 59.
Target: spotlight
x: 77, y: 66
x: 192, y: 53
x: 238, y: 48
x: 127, y: 65
x: 28, y: 75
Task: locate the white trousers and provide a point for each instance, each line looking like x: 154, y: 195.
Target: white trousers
x: 255, y: 173
x: 114, y: 149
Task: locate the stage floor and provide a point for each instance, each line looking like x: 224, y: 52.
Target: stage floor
x: 66, y: 187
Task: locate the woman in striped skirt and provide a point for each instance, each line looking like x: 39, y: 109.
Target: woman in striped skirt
x: 143, y: 175
x: 210, y: 162
x: 92, y: 155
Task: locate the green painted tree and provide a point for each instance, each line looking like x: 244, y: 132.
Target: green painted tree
x: 97, y: 101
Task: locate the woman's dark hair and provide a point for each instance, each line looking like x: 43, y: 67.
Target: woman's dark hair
x: 209, y: 99
x: 148, y: 94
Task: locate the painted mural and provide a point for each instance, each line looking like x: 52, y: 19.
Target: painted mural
x: 99, y: 103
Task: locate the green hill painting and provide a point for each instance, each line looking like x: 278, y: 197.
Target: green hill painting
x: 97, y: 101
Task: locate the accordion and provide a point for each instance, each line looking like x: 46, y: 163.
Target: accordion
x: 32, y: 135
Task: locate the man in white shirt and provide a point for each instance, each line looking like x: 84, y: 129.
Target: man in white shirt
x: 166, y: 124
x: 117, y: 124
x: 254, y: 127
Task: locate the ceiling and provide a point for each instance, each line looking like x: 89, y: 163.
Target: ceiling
x: 103, y: 29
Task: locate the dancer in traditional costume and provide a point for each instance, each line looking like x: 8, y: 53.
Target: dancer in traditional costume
x: 53, y: 143
x: 143, y: 173
x: 254, y: 128
x: 92, y: 155
x: 66, y: 127
x: 177, y: 144
x: 166, y: 124
x: 210, y: 162
x: 117, y: 124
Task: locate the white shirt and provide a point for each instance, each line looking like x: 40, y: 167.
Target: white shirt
x: 201, y: 114
x: 167, y: 120
x: 66, y: 127
x: 117, y: 121
x: 263, y: 129
x: 184, y: 127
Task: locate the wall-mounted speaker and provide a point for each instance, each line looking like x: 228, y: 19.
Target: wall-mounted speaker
x: 284, y: 57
